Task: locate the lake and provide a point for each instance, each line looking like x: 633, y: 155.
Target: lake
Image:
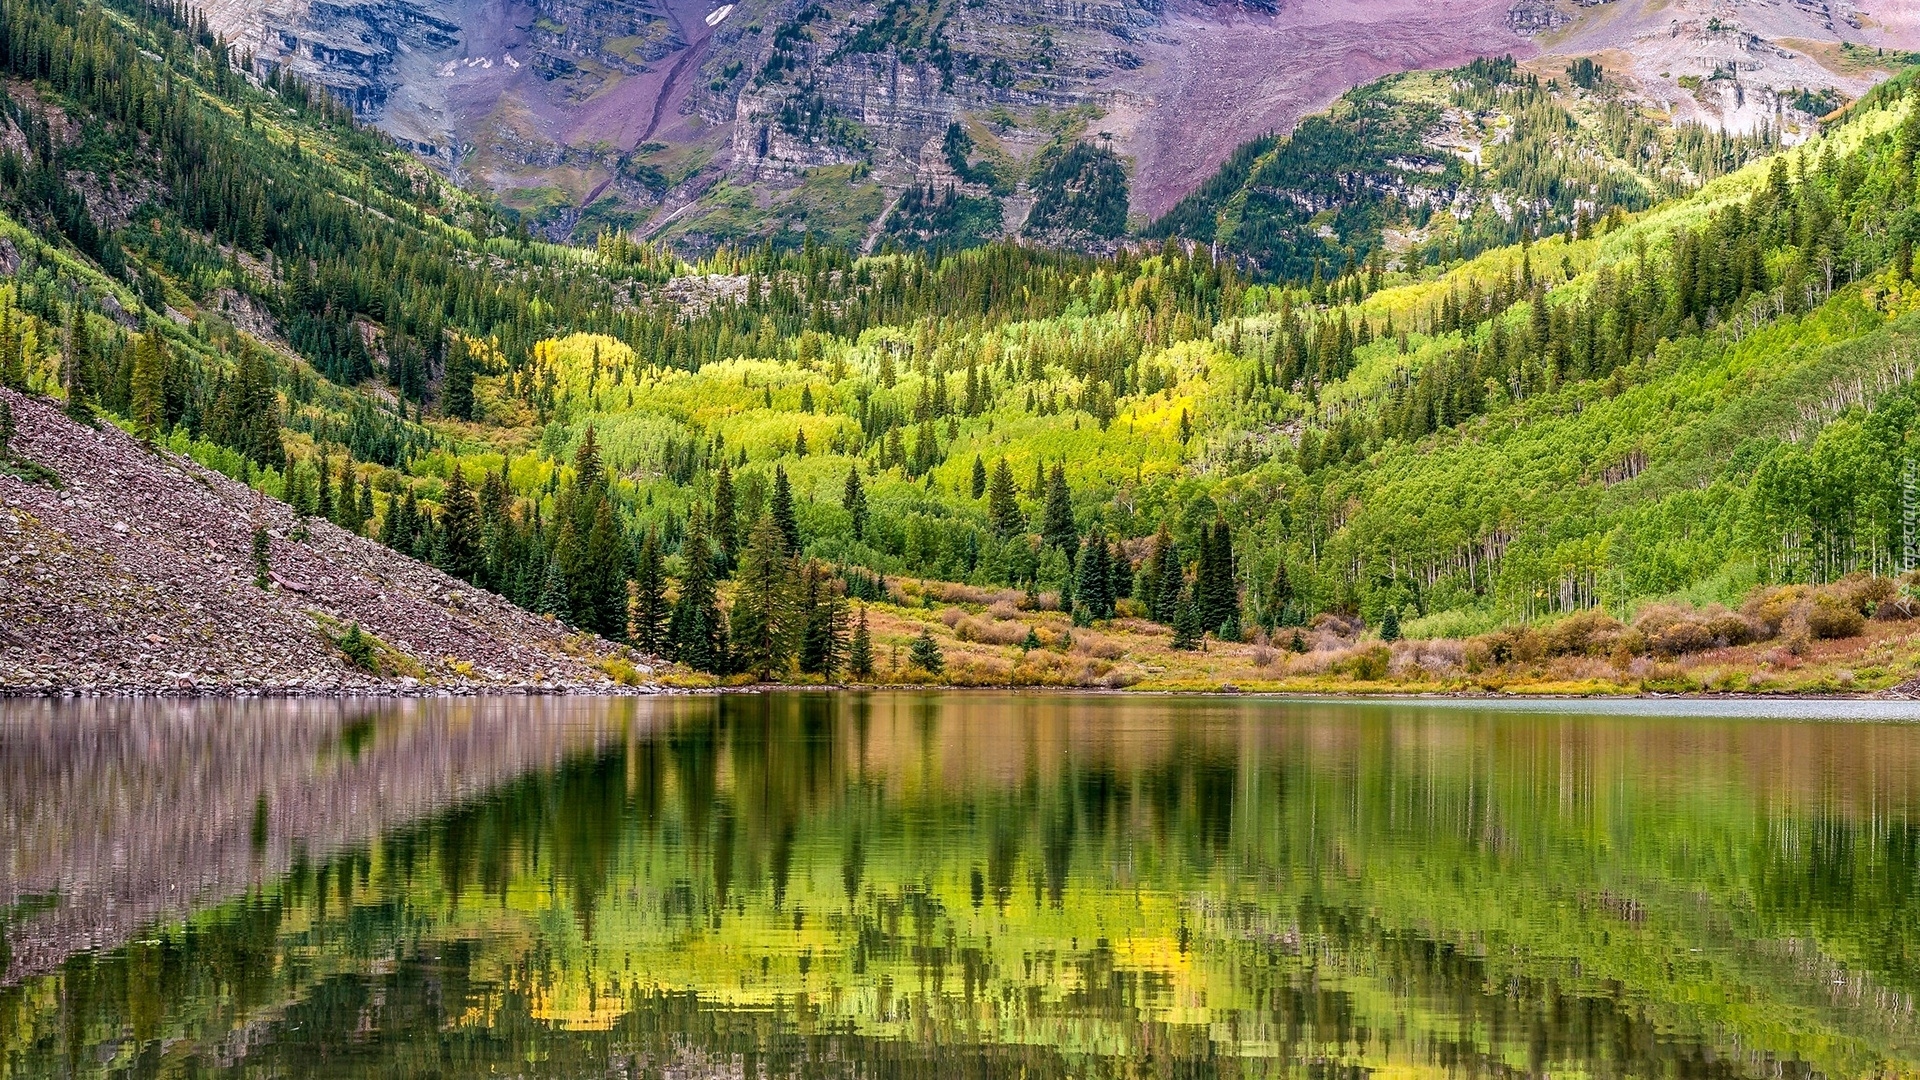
x: 958, y: 886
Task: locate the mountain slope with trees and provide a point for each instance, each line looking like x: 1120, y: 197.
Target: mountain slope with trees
x: 997, y: 464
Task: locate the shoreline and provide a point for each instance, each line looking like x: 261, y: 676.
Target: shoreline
x: 1905, y: 692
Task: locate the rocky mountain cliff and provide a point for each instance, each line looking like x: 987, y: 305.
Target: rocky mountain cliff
x: 706, y: 122
x: 127, y: 568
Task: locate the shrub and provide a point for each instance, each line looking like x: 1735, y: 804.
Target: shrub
x: 1369, y: 665
x: 1588, y: 633
x: 1830, y: 617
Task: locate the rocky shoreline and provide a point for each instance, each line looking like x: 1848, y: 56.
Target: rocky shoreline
x: 126, y: 570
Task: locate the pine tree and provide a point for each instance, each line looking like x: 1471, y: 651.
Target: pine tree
x: 456, y: 389
x: 979, y: 477
x: 1390, y: 625
x: 553, y: 594
x: 823, y: 644
x: 1119, y: 573
x: 7, y: 430
x: 860, y: 649
x: 459, y: 527
x: 1093, y: 588
x: 1057, y: 526
x: 1187, y: 628
x: 782, y: 511
x: 364, y: 515
x: 599, y: 604
x: 323, y: 487
x: 725, y: 528
x: 647, y: 597
x: 1003, y: 503
x: 75, y: 358
x: 149, y: 404
x: 695, y: 629
x: 763, y: 619
x: 854, y: 501
x: 925, y: 653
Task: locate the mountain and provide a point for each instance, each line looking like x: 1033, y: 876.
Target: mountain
x: 1658, y: 449
x: 705, y: 123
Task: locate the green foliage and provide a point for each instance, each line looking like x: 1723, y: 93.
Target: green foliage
x: 1079, y: 190
x: 925, y: 654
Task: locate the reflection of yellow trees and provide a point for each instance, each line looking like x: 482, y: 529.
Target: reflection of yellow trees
x: 1114, y: 877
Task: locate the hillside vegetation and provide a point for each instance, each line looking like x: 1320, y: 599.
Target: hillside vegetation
x: 807, y: 463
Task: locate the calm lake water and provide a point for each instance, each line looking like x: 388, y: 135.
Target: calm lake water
x: 958, y: 887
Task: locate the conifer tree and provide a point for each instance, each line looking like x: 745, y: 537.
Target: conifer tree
x: 979, y: 477
x: 647, y: 597
x: 1057, y: 526
x: 725, y: 528
x: 695, y: 628
x: 860, y: 649
x: 459, y: 527
x: 553, y: 594
x: 7, y: 430
x: 456, y: 389
x: 323, y: 487
x: 782, y: 513
x: 1003, y: 503
x: 364, y: 515
x: 1187, y: 628
x: 822, y: 644
x: 854, y: 502
x: 600, y: 606
x: 1119, y: 573
x: 763, y: 620
x: 925, y: 653
x: 149, y: 404
x: 75, y: 358
x: 1390, y: 625
x: 1093, y: 588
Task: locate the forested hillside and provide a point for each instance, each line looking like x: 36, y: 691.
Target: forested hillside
x: 758, y: 465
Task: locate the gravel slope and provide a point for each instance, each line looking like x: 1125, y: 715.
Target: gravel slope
x: 134, y: 575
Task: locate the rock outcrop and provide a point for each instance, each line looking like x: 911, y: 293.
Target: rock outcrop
x: 134, y: 573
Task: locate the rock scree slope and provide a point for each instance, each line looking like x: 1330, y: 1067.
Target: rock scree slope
x: 134, y: 574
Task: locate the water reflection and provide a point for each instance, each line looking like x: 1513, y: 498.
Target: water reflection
x: 816, y: 885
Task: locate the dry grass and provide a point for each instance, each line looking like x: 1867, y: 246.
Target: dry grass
x: 1780, y: 641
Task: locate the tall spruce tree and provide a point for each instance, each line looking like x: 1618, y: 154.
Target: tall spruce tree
x: 854, y: 501
x: 459, y: 528
x: 76, y: 361
x: 979, y: 487
x: 1056, y: 525
x: 647, y: 597
x: 1093, y: 589
x: 1003, y: 503
x: 860, y: 649
x: 763, y: 622
x: 781, y: 510
x: 8, y: 429
x: 823, y: 637
x: 697, y: 633
x: 1187, y: 628
x: 726, y: 536
x: 148, y: 408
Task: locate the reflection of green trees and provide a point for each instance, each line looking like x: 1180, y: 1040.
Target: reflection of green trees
x: 912, y: 885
